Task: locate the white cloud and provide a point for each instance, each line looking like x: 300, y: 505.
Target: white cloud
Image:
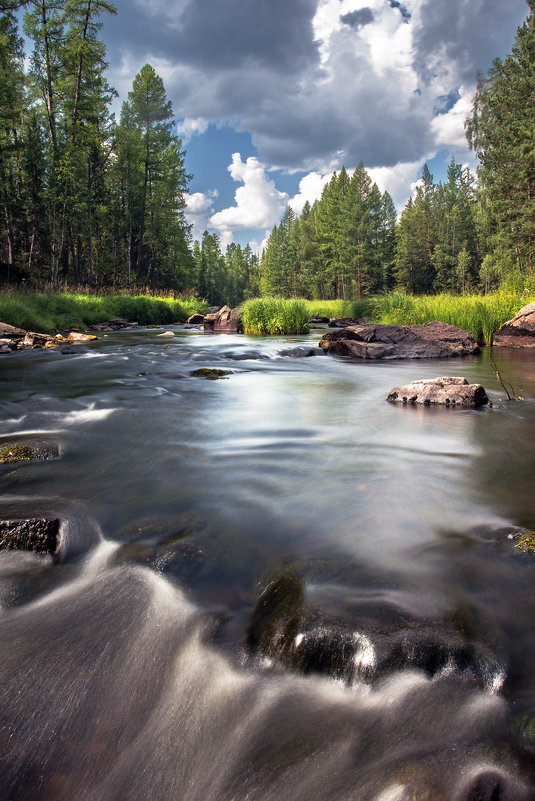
x: 199, y: 209
x: 310, y: 188
x: 258, y: 203
x: 190, y: 126
x: 448, y: 128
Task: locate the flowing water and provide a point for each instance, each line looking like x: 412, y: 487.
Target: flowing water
x: 134, y: 664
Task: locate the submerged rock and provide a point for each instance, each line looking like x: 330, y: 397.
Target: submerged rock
x: 298, y: 353
x: 518, y: 332
x: 39, y: 535
x: 435, y: 340
x: 166, y: 334
x: 448, y: 391
x: 224, y: 321
x: 28, y: 452
x: 211, y: 373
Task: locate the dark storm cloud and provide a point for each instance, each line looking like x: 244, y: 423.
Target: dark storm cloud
x: 358, y: 19
x: 402, y: 10
x: 468, y: 33
x: 219, y: 34
x: 254, y: 64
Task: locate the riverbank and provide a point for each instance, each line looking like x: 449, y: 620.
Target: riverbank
x: 53, y: 312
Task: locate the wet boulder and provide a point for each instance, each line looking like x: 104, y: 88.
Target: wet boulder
x: 7, y: 345
x: 447, y: 391
x: 224, y: 321
x: 299, y: 353
x: 39, y: 535
x: 518, y: 332
x: 195, y: 319
x: 75, y: 337
x: 435, y: 340
x: 317, y: 319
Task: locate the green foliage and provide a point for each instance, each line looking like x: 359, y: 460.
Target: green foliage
x: 480, y: 315
x: 53, y: 312
x: 275, y: 316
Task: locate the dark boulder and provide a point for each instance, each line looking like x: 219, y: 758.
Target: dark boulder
x: 112, y: 325
x: 318, y: 320
x: 299, y: 353
x: 448, y: 391
x: 435, y: 340
x: 518, y: 332
x: 39, y: 535
x: 224, y: 321
x: 195, y: 319
x: 210, y: 373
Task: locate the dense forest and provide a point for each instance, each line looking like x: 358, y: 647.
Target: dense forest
x: 87, y: 200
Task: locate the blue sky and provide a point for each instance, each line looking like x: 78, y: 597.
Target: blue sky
x: 271, y: 96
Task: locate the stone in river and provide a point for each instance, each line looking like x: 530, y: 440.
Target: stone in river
x: 75, y: 336
x: 39, y: 535
x: 448, y: 391
x: 224, y: 321
x: 28, y: 452
x: 195, y: 319
x: 518, y: 332
x: 435, y: 340
x: 7, y: 345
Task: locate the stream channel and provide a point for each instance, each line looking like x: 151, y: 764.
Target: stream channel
x: 273, y: 586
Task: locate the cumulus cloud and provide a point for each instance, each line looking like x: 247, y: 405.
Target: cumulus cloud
x: 317, y: 83
x: 258, y: 203
x: 199, y: 209
x: 310, y: 189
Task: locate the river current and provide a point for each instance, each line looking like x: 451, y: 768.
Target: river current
x: 128, y: 671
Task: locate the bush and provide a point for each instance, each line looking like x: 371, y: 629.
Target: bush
x: 275, y: 316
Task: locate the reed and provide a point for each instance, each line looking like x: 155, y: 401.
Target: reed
x: 52, y: 312
x: 480, y: 315
x: 270, y: 315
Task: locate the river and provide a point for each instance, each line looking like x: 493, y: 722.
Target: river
x: 127, y: 666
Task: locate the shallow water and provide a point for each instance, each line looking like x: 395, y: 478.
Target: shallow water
x: 125, y: 669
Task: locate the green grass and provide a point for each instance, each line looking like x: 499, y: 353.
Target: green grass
x: 275, y: 316
x: 480, y: 315
x: 52, y: 312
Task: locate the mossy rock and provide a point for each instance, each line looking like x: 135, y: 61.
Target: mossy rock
x: 39, y: 535
x: 28, y: 452
x: 210, y: 373
x: 526, y: 543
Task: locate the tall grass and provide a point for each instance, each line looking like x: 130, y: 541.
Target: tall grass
x: 51, y: 312
x: 275, y: 316
x: 480, y: 315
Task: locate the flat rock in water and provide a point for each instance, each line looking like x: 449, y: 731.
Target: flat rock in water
x: 299, y: 353
x: 39, y: 535
x: 9, y: 331
x: 112, y: 325
x: 518, y: 332
x: 448, y: 391
x: 435, y: 340
x: 75, y: 336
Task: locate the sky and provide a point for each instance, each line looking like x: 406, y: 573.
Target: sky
x: 272, y: 96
